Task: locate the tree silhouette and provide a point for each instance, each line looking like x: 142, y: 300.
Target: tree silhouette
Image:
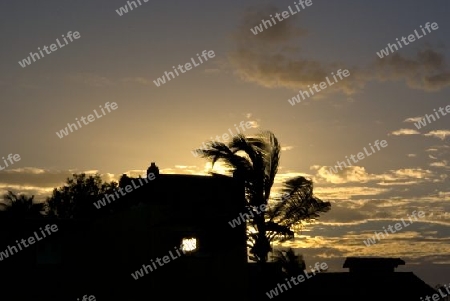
x: 75, y: 199
x: 21, y: 206
x: 291, y: 263
x: 255, y: 160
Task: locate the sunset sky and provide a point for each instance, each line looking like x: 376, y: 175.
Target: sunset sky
x: 117, y: 58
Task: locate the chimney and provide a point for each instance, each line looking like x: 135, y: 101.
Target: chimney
x: 372, y: 265
x: 153, y: 169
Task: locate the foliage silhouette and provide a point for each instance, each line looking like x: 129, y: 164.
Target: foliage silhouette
x: 292, y: 264
x: 21, y: 206
x: 255, y: 160
x: 75, y: 199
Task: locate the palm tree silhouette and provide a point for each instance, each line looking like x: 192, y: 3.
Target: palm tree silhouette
x: 21, y: 206
x: 255, y: 160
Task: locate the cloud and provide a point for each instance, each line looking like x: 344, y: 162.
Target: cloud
x: 90, y: 79
x: 413, y: 119
x: 404, y: 132
x: 346, y: 175
x: 30, y: 176
x: 95, y: 80
x: 426, y: 71
x: 349, y: 193
x: 439, y: 164
x: 267, y: 59
x: 287, y: 148
x: 283, y: 177
x: 441, y: 134
x: 40, y: 182
x: 253, y: 124
x: 334, y: 239
x: 185, y: 166
x: 271, y: 59
x: 416, y: 173
x: 412, y: 155
x: 358, y: 174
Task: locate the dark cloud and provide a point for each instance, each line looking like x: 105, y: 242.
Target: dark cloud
x: 271, y: 59
x: 426, y: 71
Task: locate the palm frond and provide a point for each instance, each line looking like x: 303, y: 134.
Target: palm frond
x: 298, y: 204
x: 220, y: 151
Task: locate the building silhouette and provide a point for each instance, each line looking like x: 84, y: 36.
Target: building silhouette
x: 98, y: 256
x: 169, y: 212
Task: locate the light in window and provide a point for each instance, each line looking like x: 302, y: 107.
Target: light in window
x: 189, y: 244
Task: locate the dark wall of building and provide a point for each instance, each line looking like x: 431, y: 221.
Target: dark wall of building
x: 165, y: 211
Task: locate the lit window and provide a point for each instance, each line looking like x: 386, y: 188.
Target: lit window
x: 189, y: 245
